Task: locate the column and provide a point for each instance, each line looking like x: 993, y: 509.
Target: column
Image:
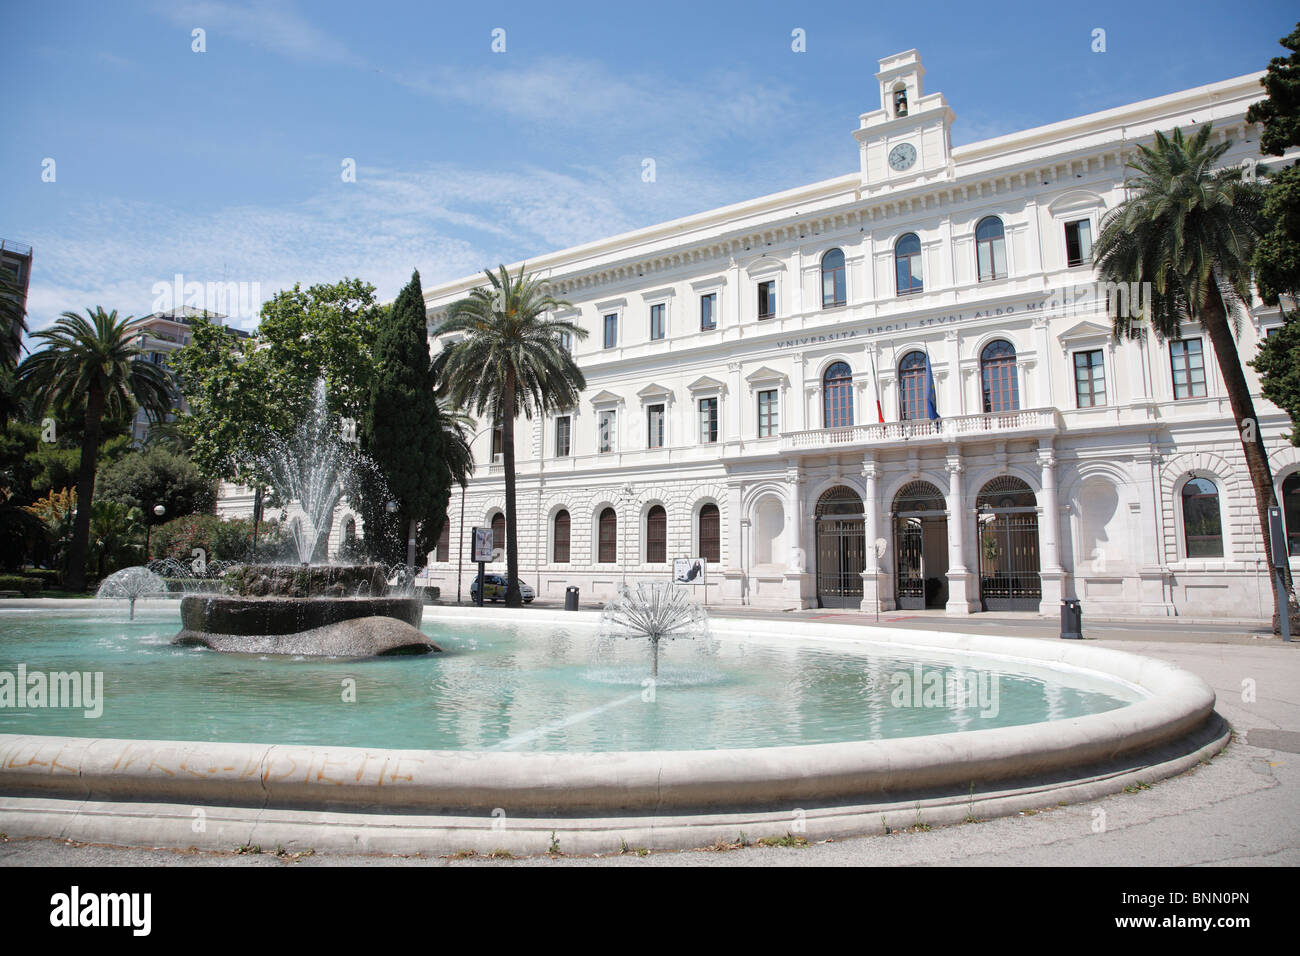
x: 962, y: 598
x: 731, y: 398
x: 800, y: 401
x: 797, y: 579
x: 1049, y: 532
x: 877, y: 595
x: 733, y: 575
x: 1153, y: 575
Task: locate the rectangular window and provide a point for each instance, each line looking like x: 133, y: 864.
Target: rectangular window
x: 605, y: 431
x: 768, y: 417
x: 1078, y: 242
x: 656, y: 322
x: 563, y: 436
x: 655, y: 426
x: 767, y: 299
x: 708, y: 312
x: 444, y: 541
x: 566, y: 341
x: 708, y: 420
x: 1089, y: 379
x: 498, y: 439
x: 611, y: 331
x: 1188, y: 365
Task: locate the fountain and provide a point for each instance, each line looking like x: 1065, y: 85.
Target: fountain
x: 653, y: 613
x: 305, y: 609
x: 132, y: 583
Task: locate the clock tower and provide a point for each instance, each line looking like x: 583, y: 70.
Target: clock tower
x: 908, y: 140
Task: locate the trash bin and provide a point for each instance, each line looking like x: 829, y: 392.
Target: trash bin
x: 1071, y: 620
x: 571, y: 598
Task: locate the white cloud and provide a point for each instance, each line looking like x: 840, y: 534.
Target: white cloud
x: 446, y: 220
x: 270, y: 24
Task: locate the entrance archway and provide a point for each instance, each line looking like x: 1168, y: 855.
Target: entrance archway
x: 920, y: 547
x: 841, y: 548
x: 1006, y: 523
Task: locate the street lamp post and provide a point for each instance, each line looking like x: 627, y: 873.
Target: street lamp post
x: 158, y: 510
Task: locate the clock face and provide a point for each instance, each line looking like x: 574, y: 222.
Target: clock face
x: 902, y: 156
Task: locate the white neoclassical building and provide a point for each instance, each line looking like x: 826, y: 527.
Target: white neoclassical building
x: 894, y: 389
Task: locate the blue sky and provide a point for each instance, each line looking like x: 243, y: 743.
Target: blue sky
x: 226, y: 164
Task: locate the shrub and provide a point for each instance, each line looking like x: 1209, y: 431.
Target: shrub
x: 220, y: 539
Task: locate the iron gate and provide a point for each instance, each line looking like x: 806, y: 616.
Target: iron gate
x: 908, y: 547
x: 841, y: 559
x: 1008, y: 543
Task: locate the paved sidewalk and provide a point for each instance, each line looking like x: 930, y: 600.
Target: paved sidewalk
x: 1242, y: 808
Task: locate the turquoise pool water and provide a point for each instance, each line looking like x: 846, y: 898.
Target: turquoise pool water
x: 517, y: 688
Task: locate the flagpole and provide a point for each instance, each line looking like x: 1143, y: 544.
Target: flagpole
x: 875, y: 382
x: 931, y: 393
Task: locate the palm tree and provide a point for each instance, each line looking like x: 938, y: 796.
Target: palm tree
x: 456, y: 431
x: 1189, y: 230
x: 95, y: 363
x: 13, y: 321
x: 511, y: 359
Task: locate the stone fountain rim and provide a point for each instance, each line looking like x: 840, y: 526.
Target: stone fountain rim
x: 442, y: 800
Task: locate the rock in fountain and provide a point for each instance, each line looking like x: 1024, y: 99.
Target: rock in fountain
x: 654, y: 613
x: 132, y: 583
x: 319, y: 611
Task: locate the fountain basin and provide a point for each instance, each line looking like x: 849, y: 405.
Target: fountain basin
x: 403, y: 800
x: 312, y: 627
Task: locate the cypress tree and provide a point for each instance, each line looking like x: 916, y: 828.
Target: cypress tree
x: 401, y: 431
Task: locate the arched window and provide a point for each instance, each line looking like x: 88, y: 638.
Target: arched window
x: 499, y: 533
x: 991, y: 248
x: 710, y: 534
x: 656, y: 535
x: 1201, y: 526
x: 837, y: 396
x: 907, y: 264
x: 912, y: 387
x: 1291, y: 508
x: 833, y: 290
x: 998, y: 377
x: 607, y: 550
x: 560, y: 538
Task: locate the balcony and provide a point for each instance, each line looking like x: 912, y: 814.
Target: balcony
x: 1023, y: 423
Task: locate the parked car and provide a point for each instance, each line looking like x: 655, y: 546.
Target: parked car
x: 494, y: 589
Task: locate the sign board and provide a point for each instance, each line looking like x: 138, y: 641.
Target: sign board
x: 1277, y: 538
x: 689, y: 570
x: 482, y: 544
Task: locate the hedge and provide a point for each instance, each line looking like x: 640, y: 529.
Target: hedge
x: 17, y: 582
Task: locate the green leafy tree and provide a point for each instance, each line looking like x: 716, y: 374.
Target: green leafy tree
x: 93, y: 363
x: 157, y: 476
x: 510, y: 359
x: 242, y: 391
x: 1189, y: 230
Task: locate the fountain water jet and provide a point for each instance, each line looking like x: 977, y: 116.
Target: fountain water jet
x: 653, y: 613
x: 132, y: 583
x: 322, y: 610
